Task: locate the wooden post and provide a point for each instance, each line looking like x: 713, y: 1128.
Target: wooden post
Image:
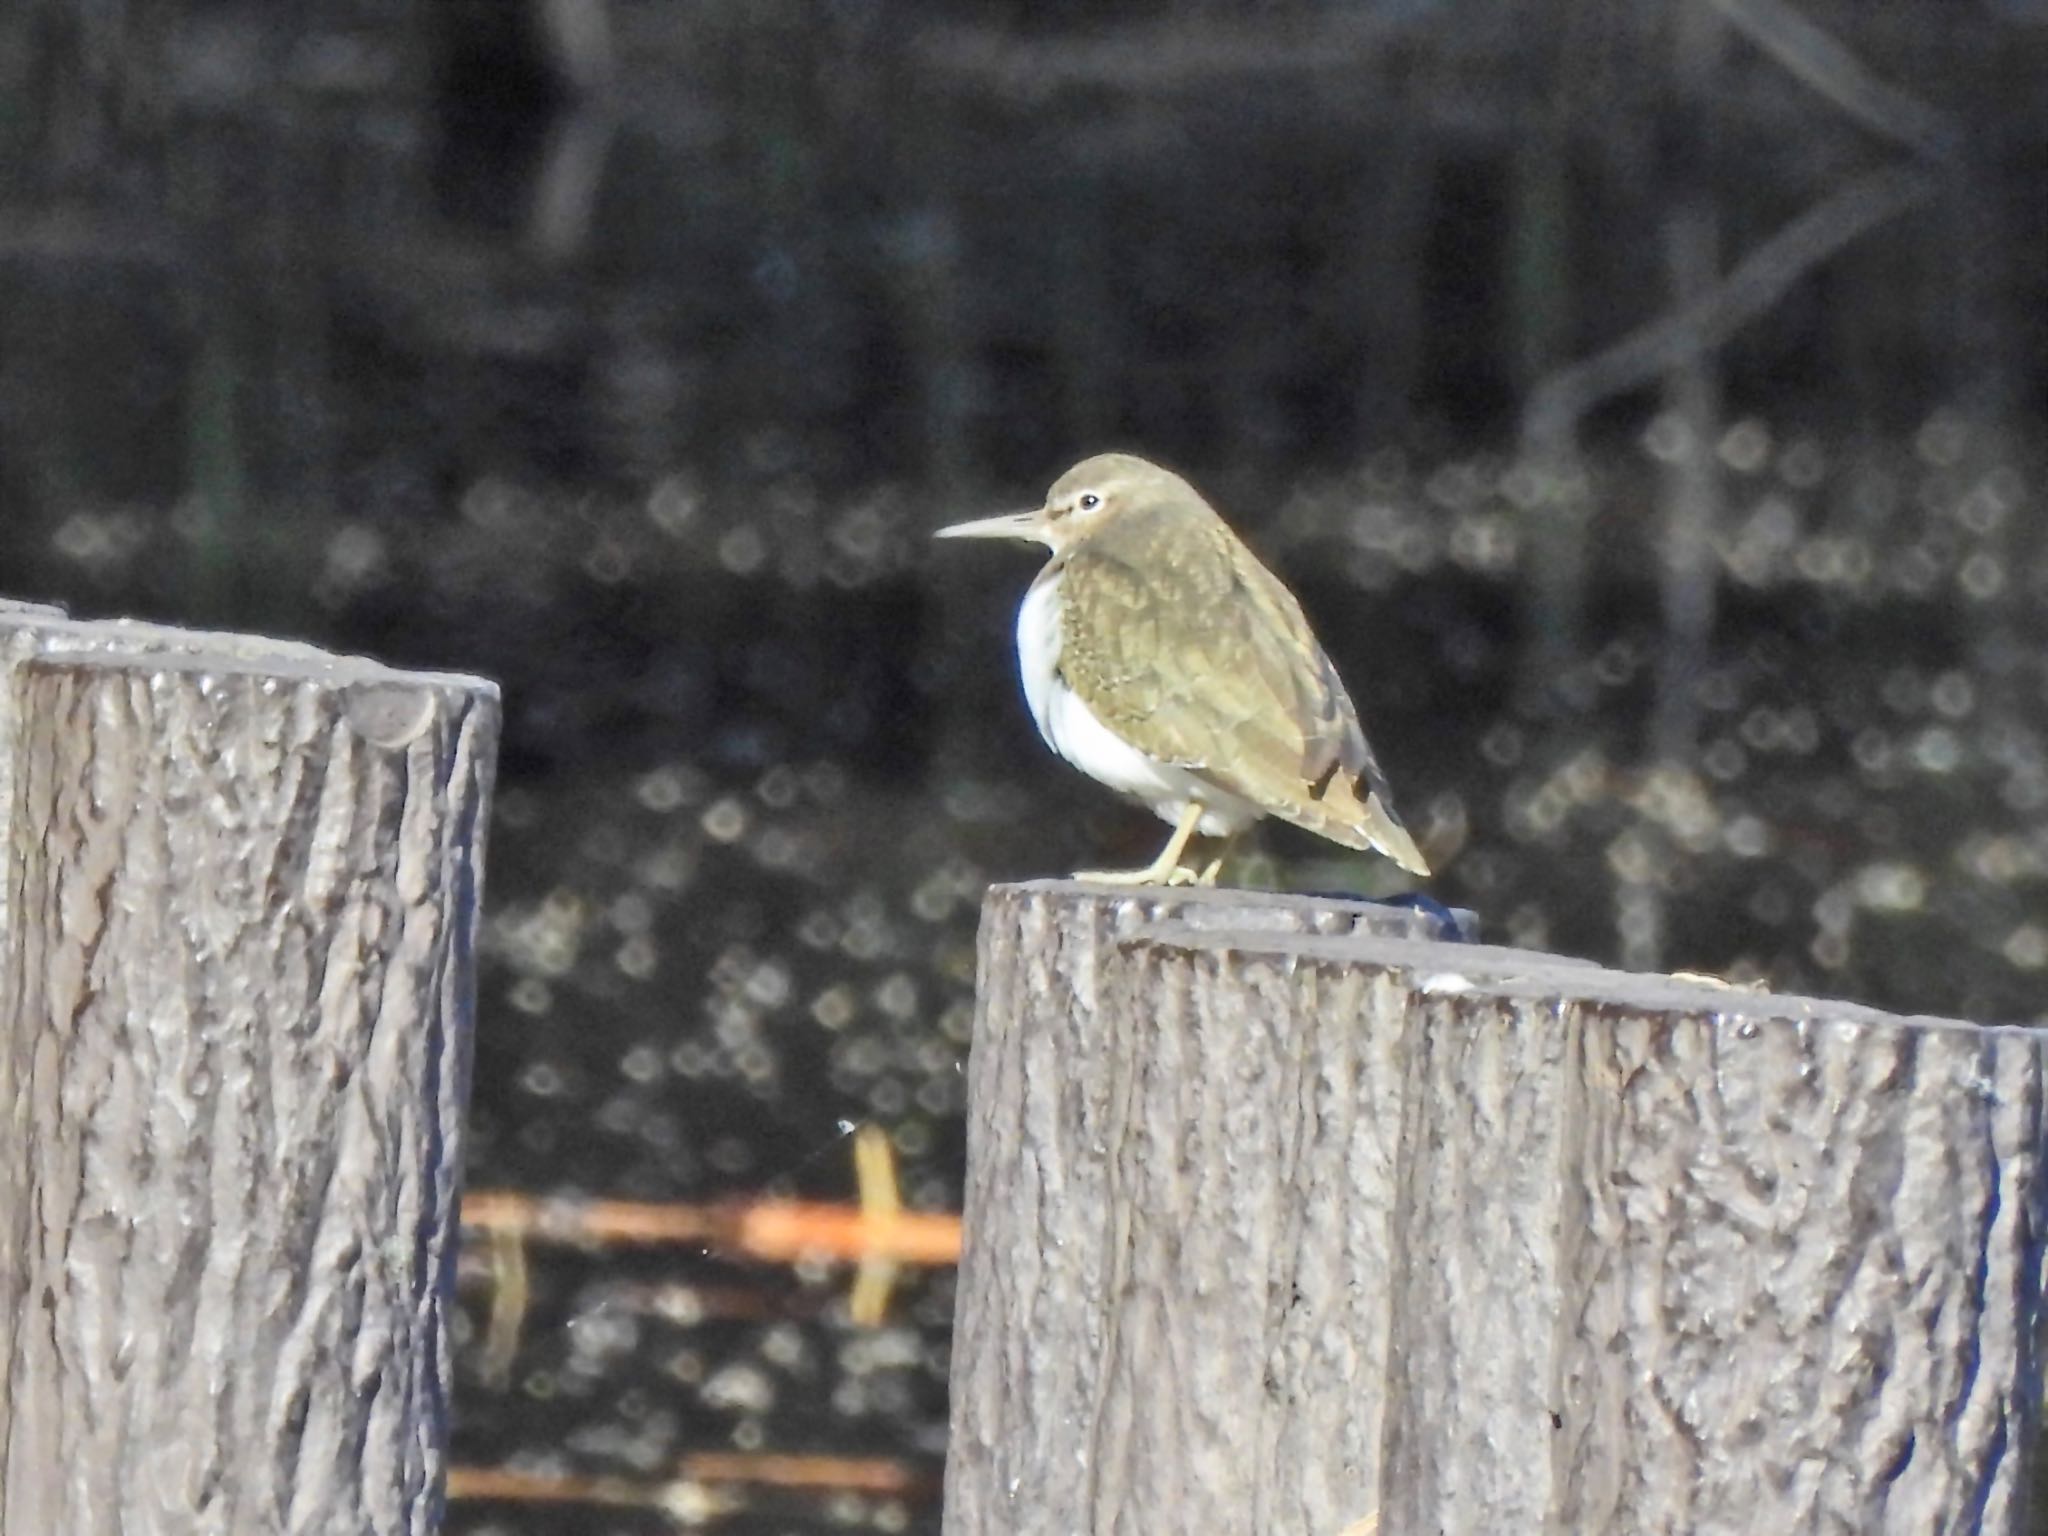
x: 240, y: 899
x: 1275, y: 1225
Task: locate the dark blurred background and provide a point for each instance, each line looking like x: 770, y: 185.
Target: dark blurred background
x: 1646, y: 399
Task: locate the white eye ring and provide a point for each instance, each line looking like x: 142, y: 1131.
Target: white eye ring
x: 1089, y: 501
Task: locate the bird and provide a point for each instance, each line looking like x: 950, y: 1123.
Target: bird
x: 1161, y: 658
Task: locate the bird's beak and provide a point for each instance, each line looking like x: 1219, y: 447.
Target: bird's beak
x: 1011, y: 525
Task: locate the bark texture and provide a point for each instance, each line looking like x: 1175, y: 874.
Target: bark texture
x: 1290, y: 1227
x: 241, y: 886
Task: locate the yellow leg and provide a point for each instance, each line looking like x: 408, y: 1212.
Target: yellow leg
x: 1164, y: 870
x: 1215, y: 866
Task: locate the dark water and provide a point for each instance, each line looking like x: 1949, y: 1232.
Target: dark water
x: 631, y: 363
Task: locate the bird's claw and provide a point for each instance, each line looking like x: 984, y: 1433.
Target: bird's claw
x: 1167, y: 869
x: 1179, y: 874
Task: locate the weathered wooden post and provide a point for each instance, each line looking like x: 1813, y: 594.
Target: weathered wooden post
x: 1279, y: 1225
x: 240, y: 895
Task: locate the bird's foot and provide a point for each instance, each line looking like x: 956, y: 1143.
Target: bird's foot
x: 1214, y: 867
x: 1152, y: 874
x: 1167, y: 869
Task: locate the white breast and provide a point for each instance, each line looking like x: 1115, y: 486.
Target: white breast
x: 1038, y: 650
x: 1072, y: 729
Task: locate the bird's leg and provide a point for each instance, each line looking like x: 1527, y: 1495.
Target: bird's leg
x: 1214, y: 867
x: 1164, y: 870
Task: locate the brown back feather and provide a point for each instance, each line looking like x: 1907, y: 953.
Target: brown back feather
x: 1188, y: 648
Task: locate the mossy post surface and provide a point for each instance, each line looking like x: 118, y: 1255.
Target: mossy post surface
x: 1280, y: 1221
x: 240, y: 903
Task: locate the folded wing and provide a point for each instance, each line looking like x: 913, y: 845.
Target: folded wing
x: 1188, y: 648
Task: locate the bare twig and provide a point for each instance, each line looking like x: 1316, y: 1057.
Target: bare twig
x: 1758, y: 281
x: 563, y: 206
x: 776, y: 1231
x: 581, y: 43
x: 1152, y: 56
x: 1693, y: 496
x: 511, y: 1295
x: 881, y: 1208
x: 1821, y: 62
x: 1818, y: 60
x: 706, y: 1484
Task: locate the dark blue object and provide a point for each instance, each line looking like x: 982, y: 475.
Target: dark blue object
x: 1447, y: 925
x: 1452, y: 925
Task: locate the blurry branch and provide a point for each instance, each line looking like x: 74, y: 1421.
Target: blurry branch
x: 1708, y: 309
x: 75, y: 233
x: 1150, y: 57
x: 577, y: 38
x: 1822, y: 63
x: 511, y: 1294
x: 881, y: 1207
x: 861, y: 1474
x: 1755, y: 283
x: 1694, y: 498
x: 564, y: 202
x: 686, y: 1503
x: 1818, y: 60
x: 764, y: 1469
x: 707, y: 1484
x: 878, y: 1234
x: 778, y: 1231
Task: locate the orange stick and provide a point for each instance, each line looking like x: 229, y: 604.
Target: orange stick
x: 778, y: 1231
x: 830, y: 1474
x: 855, y: 1474
x: 536, y: 1488
x: 787, y: 1230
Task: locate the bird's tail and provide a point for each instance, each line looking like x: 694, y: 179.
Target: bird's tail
x: 1341, y: 816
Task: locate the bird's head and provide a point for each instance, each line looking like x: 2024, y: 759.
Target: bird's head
x: 1081, y: 502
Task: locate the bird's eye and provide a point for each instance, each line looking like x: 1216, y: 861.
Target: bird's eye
x: 1089, y: 501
